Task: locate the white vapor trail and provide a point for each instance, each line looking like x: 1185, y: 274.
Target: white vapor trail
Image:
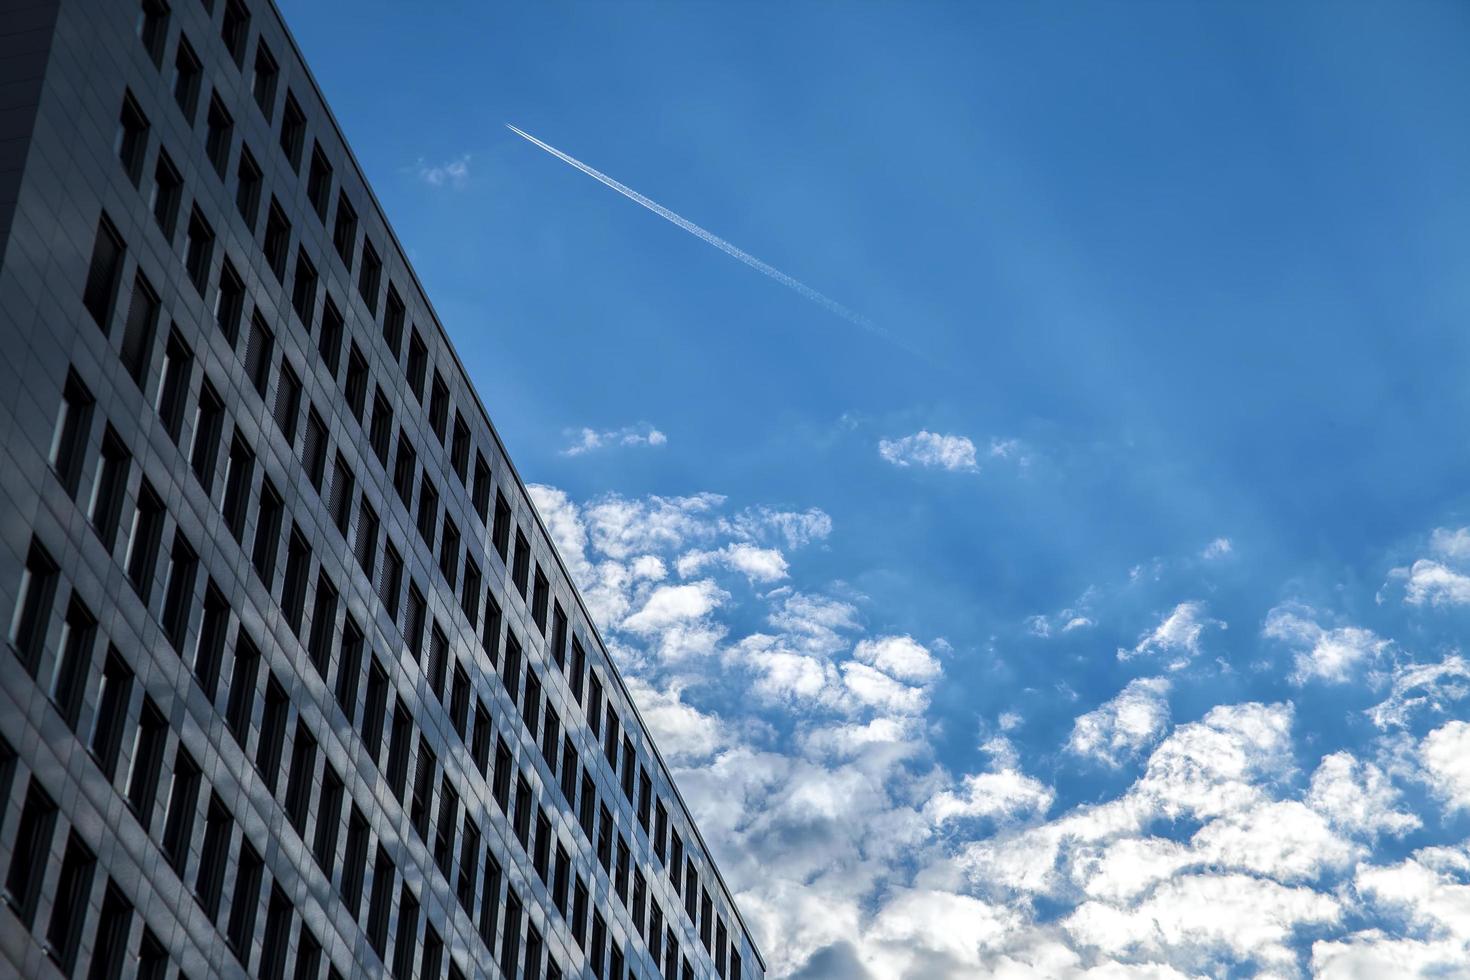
x: 794, y: 284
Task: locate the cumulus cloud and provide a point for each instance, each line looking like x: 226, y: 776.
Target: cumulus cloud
x: 1451, y: 542
x: 902, y: 657
x: 1178, y: 634
x: 1005, y: 794
x: 755, y: 563
x: 1218, y: 548
x: 586, y: 440
x: 1430, y: 687
x: 1431, y: 583
x: 1445, y: 755
x: 1358, y: 798
x: 454, y: 173
x: 1124, y: 726
x: 932, y: 449
x: 1330, y: 655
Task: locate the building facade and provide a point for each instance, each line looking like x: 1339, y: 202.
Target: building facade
x: 296, y: 683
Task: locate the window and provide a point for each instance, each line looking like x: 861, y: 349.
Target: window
x: 428, y: 511
x: 168, y: 188
x: 480, y: 743
x: 241, y: 702
x: 354, y: 860
x: 640, y: 898
x: 152, y: 957
x: 423, y: 788
x: 329, y: 344
x: 569, y: 770
x: 599, y: 942
x: 630, y: 762
x: 235, y: 30
x: 510, y: 674
x: 103, y: 273
x: 180, y: 592
x: 110, y: 950
x: 604, y: 839
x: 460, y: 453
x: 398, y: 750
x: 267, y: 534
x: 276, y: 936
x: 241, y: 928
x: 288, y: 402
x: 418, y: 359
x: 366, y: 546
x: 469, y: 596
x: 439, y: 406
x: 314, y: 449
x: 293, y: 590
x: 408, y: 927
x: 469, y: 855
x: 349, y: 667
x: 404, y: 468
x: 220, y: 132
x: 178, y: 360
x: 691, y: 891
x: 531, y: 703
x: 481, y: 492
x: 323, y: 624
x: 558, y: 636
x: 449, y: 553
x: 319, y: 183
x: 459, y: 701
x: 186, y: 79
x: 370, y: 276
x: 438, y: 660
x: 500, y: 784
x: 238, y: 470
x: 390, y: 586
x: 587, y: 805
x: 579, y: 912
x: 520, y: 571
x: 69, y: 675
x: 380, y: 430
x: 208, y: 421
x: 229, y: 302
x: 32, y: 848
x: 491, y: 636
x: 211, y: 878
x: 343, y: 484
x: 110, y: 488
x: 303, y: 288
x: 432, y: 966
x: 260, y: 344
x: 393, y: 315
x: 559, y: 879
x: 706, y: 915
x: 272, y: 732
x: 413, y: 625
x: 299, y: 780
x: 374, y: 708
x: 199, y: 249
x: 132, y: 138
x: 178, y: 821
x: 147, y: 759
x: 153, y: 29
x: 344, y: 230
x: 356, y: 384
x: 211, y: 648
x: 721, y: 942
x: 539, y: 595
x: 676, y: 859
x: 444, y: 831
x: 263, y: 81
x: 137, y: 340
x: 655, y: 931
x: 500, y: 533
x: 112, y: 711
x: 490, y: 906
x: 247, y: 187
x: 541, y: 855
x: 594, y: 705
x: 378, y: 902
x: 277, y: 240
x: 69, y: 436
x: 33, y: 607
x: 293, y: 131
x: 510, y: 947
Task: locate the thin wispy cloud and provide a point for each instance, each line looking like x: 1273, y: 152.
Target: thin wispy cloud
x: 452, y: 173
x: 765, y: 269
x: 586, y: 440
x: 946, y: 452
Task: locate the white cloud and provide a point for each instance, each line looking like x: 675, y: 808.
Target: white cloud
x: 1003, y: 795
x: 795, y: 528
x: 1451, y: 543
x: 902, y: 657
x: 757, y: 564
x: 1427, y: 686
x: 453, y: 173
x: 1178, y: 634
x: 1434, y: 584
x: 925, y: 448
x: 1218, y: 548
x: 1445, y: 755
x: 1124, y: 726
x: 1357, y: 797
x: 1330, y: 655
x: 586, y: 440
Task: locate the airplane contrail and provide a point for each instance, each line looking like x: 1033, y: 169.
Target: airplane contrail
x: 831, y: 305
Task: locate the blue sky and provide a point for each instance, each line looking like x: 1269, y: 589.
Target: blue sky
x: 1182, y: 296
